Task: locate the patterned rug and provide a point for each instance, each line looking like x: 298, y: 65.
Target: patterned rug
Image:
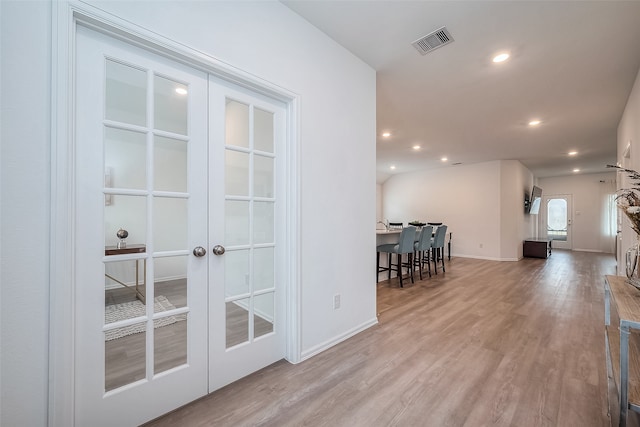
x: 129, y: 310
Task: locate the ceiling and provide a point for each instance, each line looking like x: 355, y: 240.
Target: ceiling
x: 572, y: 66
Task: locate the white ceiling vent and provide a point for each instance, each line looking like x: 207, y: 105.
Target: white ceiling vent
x: 434, y: 40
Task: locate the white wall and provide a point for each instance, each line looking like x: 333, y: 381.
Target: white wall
x: 24, y: 211
x: 515, y: 225
x: 482, y: 204
x: 629, y: 134
x: 465, y: 198
x: 337, y: 168
x: 590, y: 229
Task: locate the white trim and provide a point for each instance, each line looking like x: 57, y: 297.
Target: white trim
x: 61, y: 266
x: 597, y: 251
x: 337, y: 340
x: 65, y: 17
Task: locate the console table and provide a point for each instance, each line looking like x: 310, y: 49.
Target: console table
x: 130, y: 249
x: 622, y: 333
x: 537, y: 248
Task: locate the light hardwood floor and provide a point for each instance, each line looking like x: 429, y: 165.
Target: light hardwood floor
x: 485, y: 344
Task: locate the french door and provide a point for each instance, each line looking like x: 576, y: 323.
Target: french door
x: 178, y: 259
x: 557, y: 220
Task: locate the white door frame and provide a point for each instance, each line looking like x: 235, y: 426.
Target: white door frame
x: 66, y: 15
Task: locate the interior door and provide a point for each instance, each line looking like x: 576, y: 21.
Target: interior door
x: 247, y: 232
x: 141, y: 209
x: 181, y: 208
x: 557, y: 220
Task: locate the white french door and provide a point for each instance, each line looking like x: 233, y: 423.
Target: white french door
x: 178, y: 256
x: 247, y: 134
x: 557, y: 220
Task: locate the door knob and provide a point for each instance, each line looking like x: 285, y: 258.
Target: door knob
x: 218, y: 250
x: 199, y: 251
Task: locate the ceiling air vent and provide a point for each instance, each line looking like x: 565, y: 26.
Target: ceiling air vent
x: 434, y: 40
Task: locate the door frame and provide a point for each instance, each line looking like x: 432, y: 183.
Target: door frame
x: 66, y: 16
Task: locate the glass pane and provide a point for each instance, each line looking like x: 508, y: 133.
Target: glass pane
x: 263, y: 268
x: 125, y: 164
x: 170, y: 164
x: 262, y: 130
x: 170, y: 105
x: 557, y: 214
x: 263, y: 222
x: 263, y: 314
x: 170, y: 224
x: 170, y: 345
x: 171, y: 289
x: 263, y: 176
x: 124, y: 290
x: 236, y: 223
x: 129, y: 214
x: 124, y: 355
x: 236, y: 173
x: 236, y: 272
x: 237, y: 124
x: 237, y: 318
x: 126, y: 94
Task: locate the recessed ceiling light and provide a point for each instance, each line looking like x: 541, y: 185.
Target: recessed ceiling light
x: 444, y: 159
x: 386, y: 134
x: 535, y: 122
x: 416, y: 147
x: 576, y: 170
x: 392, y: 167
x: 501, y: 57
x: 181, y: 91
x: 572, y: 153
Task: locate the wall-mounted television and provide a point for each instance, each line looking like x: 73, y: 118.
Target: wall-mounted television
x: 535, y: 200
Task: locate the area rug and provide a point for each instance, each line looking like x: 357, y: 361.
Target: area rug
x: 129, y: 310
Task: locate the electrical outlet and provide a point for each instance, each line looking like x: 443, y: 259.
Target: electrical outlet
x: 336, y: 301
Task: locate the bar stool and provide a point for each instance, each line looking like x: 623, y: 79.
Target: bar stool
x: 395, y: 226
x: 420, y: 246
x: 404, y: 246
x: 437, y: 247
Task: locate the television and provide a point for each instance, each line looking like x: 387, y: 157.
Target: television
x: 535, y: 200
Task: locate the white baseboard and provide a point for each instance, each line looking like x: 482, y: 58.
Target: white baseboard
x: 592, y: 250
x: 330, y: 343
x: 485, y: 258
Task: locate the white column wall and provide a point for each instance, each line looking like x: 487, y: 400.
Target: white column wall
x: 629, y: 135
x: 337, y: 168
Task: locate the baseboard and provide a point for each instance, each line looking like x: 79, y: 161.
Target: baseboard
x: 592, y: 250
x: 330, y: 343
x: 485, y: 258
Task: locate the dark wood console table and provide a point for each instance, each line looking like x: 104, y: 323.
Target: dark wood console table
x: 537, y: 248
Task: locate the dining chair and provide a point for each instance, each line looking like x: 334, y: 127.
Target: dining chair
x: 422, y: 245
x: 404, y: 246
x: 437, y: 247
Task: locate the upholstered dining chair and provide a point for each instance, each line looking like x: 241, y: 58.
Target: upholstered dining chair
x: 404, y: 246
x: 422, y: 245
x: 437, y: 247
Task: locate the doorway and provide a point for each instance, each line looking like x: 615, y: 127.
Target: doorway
x: 557, y: 220
x: 180, y: 265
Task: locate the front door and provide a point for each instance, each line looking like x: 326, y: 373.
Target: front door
x: 168, y: 165
x: 557, y: 219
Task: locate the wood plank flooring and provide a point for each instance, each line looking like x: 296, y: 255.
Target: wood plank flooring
x: 484, y: 344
